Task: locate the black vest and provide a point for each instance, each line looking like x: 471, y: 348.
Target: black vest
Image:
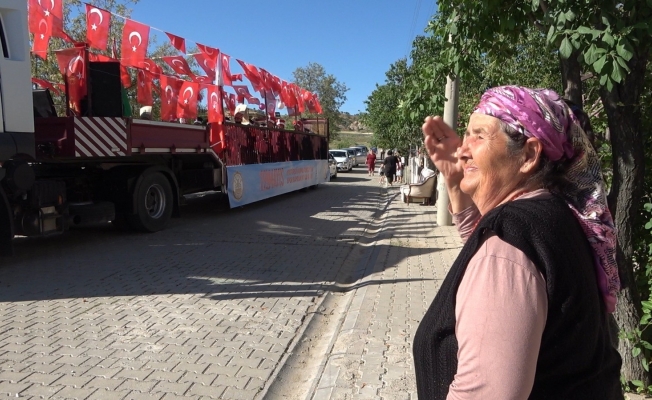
x: 576, y: 358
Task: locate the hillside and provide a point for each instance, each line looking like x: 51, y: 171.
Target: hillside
x: 352, y: 123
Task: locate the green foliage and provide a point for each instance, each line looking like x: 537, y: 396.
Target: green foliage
x: 331, y: 92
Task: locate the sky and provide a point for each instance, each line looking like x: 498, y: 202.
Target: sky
x: 354, y: 40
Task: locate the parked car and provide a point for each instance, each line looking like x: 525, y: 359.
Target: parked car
x: 359, y: 154
x: 344, y: 162
x: 332, y: 166
x: 351, y: 153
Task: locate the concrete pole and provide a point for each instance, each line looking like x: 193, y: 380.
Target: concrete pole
x: 451, y: 108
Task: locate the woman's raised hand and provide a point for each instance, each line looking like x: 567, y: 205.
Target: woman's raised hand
x: 442, y: 143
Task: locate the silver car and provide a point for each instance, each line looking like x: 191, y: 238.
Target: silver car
x: 344, y: 162
x: 360, y: 155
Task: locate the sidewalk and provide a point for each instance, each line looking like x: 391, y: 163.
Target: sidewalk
x: 372, y: 354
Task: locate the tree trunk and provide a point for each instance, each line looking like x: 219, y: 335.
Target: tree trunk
x: 571, y: 75
x: 627, y: 143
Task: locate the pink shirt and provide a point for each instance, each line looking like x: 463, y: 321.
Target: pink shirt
x: 500, y: 312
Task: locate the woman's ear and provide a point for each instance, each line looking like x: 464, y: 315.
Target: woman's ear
x: 531, y: 155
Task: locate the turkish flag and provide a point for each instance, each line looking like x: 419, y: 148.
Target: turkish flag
x: 178, y: 42
x: 311, y: 102
x: 226, y: 70
x: 150, y: 66
x: 144, y: 91
x: 210, y: 52
x: 276, y: 85
x: 71, y: 64
x: 46, y: 85
x: 169, y: 96
x: 270, y: 102
x: 236, y: 77
x: 242, y: 92
x: 135, y: 37
x: 287, y: 97
x: 52, y: 10
x: 266, y: 79
x: 214, y: 104
x: 229, y: 99
x: 202, y: 80
x: 187, y: 105
x: 296, y: 90
x: 206, y: 63
x: 41, y: 27
x: 98, y: 22
x: 179, y: 65
x: 254, y: 100
x: 252, y: 73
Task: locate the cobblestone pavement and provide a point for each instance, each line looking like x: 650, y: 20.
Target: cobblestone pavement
x: 208, y: 308
x: 371, y: 357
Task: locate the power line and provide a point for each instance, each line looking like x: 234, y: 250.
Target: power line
x: 415, y: 16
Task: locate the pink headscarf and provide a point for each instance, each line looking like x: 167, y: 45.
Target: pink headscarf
x: 543, y: 114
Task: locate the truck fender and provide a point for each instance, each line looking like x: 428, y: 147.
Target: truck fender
x: 176, y: 210
x: 6, y: 226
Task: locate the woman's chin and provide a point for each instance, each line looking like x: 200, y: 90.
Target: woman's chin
x: 467, y: 187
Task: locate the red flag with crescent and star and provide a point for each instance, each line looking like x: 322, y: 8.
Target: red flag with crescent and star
x: 210, y: 52
x: 52, y: 10
x: 266, y: 79
x: 242, y: 92
x: 270, y: 102
x: 187, y: 105
x: 252, y: 73
x: 71, y: 64
x: 150, y: 66
x: 41, y: 26
x: 179, y: 65
x: 144, y: 92
x: 177, y: 42
x: 135, y: 37
x: 287, y: 97
x: 98, y: 22
x: 229, y: 99
x: 301, y: 107
x: 214, y: 104
x: 217, y: 138
x: 226, y: 70
x: 206, y: 64
x: 169, y: 97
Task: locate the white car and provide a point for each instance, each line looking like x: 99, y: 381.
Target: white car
x: 344, y: 162
x: 332, y: 166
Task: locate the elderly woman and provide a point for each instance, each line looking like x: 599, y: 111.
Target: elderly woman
x: 523, y: 311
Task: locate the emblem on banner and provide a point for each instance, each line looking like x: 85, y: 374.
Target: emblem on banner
x: 238, y: 186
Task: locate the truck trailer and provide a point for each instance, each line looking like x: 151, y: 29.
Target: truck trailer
x: 98, y: 166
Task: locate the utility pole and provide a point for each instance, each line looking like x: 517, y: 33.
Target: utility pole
x: 451, y: 108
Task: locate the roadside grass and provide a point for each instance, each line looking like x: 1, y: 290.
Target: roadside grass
x: 349, y: 138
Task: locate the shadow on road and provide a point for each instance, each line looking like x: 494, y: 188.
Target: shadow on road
x: 292, y: 245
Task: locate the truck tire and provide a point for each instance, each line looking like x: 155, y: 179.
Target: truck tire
x: 153, y: 202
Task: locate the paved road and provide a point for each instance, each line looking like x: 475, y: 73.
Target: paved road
x: 209, y: 308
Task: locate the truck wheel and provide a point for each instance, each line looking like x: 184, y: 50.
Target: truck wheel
x: 153, y: 203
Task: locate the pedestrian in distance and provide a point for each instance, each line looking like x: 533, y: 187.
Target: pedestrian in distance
x: 523, y: 311
x: 371, y: 163
x: 381, y: 173
x: 390, y: 162
x: 399, y: 168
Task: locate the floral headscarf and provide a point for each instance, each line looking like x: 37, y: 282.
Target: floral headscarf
x: 543, y: 114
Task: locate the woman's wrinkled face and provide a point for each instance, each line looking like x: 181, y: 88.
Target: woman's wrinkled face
x: 491, y: 173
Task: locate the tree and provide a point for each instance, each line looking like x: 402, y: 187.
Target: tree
x: 392, y: 130
x: 331, y: 92
x: 611, y: 41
